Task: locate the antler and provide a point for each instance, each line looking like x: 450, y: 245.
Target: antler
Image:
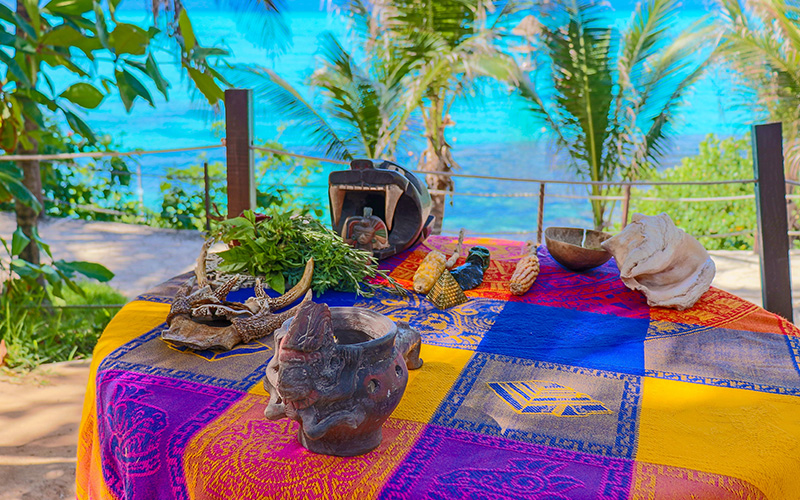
x: 296, y: 292
x: 200, y: 264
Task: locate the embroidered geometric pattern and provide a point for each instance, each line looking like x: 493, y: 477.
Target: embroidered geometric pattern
x: 541, y: 396
x: 699, y: 403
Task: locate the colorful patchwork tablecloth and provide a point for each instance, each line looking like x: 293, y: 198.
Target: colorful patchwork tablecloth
x: 575, y: 390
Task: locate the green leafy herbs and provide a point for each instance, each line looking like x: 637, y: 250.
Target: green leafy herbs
x: 279, y: 246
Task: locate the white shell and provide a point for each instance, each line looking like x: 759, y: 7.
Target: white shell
x: 659, y: 259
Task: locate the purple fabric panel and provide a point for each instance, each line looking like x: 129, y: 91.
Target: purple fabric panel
x: 448, y: 464
x: 143, y: 419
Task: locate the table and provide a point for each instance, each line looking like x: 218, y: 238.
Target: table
x: 575, y: 390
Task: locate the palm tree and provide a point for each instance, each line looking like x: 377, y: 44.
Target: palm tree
x: 454, y: 45
x: 365, y: 110
x: 610, y: 97
x: 417, y: 58
x: 762, y: 42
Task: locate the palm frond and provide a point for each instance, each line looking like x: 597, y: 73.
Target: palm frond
x: 267, y: 85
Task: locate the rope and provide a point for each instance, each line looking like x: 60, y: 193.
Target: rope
x: 108, y: 211
x: 493, y: 233
x: 725, y: 235
x: 297, y: 155
x: 102, y: 154
x: 591, y: 183
x: 589, y: 197
x: 515, y: 179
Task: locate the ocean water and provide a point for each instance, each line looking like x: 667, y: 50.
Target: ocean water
x: 494, y: 133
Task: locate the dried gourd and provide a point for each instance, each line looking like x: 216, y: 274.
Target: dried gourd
x: 526, y: 272
x: 428, y: 272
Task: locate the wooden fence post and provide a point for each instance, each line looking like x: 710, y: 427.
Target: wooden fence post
x: 773, y: 238
x: 540, y: 215
x: 626, y: 204
x: 240, y: 159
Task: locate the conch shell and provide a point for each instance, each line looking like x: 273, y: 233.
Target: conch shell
x: 659, y: 259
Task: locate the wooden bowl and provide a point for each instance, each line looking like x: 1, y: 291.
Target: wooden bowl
x: 575, y: 248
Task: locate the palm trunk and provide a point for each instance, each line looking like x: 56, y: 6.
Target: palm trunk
x: 432, y: 161
x: 437, y: 158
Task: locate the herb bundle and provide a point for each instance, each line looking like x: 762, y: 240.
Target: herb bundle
x: 279, y: 246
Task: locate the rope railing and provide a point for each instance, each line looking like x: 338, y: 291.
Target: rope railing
x: 104, y: 154
x: 541, y: 194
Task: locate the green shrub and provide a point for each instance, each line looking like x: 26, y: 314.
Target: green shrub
x: 717, y: 160
x: 36, y: 333
x: 280, y: 187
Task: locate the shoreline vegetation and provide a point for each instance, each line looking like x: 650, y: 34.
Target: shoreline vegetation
x: 604, y: 94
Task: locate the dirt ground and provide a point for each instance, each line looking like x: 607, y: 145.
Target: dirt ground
x: 39, y: 418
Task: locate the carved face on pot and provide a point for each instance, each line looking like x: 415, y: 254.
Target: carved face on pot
x: 340, y: 373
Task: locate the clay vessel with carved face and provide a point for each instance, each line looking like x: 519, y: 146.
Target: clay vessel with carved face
x: 340, y: 372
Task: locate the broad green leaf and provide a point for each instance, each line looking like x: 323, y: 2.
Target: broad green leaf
x: 84, y: 95
x: 6, y: 14
x: 38, y: 97
x: 206, y: 85
x: 65, y: 277
x: 154, y: 73
x: 128, y: 39
x: 277, y: 282
x: 88, y: 269
x: 52, y: 277
x: 79, y: 126
x: 126, y: 92
x: 14, y: 69
x: 69, y: 7
x: 201, y: 53
x: 112, y: 6
x: 32, y: 112
x: 25, y: 26
x: 43, y: 247
x: 100, y: 24
x: 67, y: 36
x: 7, y: 38
x: 133, y: 88
x: 189, y: 41
x: 32, y: 8
x: 25, y: 269
x: 19, y: 241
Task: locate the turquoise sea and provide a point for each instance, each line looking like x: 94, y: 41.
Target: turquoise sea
x: 494, y: 133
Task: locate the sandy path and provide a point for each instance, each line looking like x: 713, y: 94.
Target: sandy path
x: 39, y: 418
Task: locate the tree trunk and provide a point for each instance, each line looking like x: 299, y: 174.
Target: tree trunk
x: 27, y: 217
x: 32, y: 176
x: 432, y: 161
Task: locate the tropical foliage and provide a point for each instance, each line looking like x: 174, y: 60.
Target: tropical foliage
x: 282, y: 187
x: 718, y: 159
x: 608, y: 96
x: 761, y: 40
x: 414, y: 59
x: 35, y: 335
x: 74, y: 36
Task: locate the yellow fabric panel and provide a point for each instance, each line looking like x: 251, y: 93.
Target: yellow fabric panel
x: 749, y: 435
x: 428, y: 385
x: 133, y: 320
x: 258, y: 389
